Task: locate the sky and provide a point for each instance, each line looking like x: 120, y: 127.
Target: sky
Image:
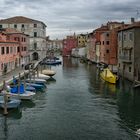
x: 66, y: 17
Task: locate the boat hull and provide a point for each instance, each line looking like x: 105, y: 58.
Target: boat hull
x: 28, y: 95
x: 12, y: 103
x: 49, y: 72
x: 108, y: 76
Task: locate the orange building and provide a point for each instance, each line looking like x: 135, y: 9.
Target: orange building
x: 109, y: 47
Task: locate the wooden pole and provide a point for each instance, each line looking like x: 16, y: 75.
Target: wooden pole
x: 34, y: 76
x: 24, y: 80
x: 38, y: 72
x: 5, y: 99
x: 19, y: 85
x: 30, y: 74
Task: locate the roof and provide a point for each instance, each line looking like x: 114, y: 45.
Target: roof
x: 134, y: 25
x: 19, y: 19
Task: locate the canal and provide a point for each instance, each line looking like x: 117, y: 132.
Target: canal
x: 77, y: 105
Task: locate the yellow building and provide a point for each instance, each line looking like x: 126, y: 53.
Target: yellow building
x: 82, y: 40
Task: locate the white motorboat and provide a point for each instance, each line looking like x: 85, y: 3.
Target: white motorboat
x: 42, y: 76
x: 49, y: 72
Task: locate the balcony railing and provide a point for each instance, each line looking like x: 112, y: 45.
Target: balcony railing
x: 126, y: 59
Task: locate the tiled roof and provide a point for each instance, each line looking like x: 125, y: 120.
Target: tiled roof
x: 19, y: 19
x: 130, y: 26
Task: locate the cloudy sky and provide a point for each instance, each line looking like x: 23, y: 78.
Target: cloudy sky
x: 64, y: 17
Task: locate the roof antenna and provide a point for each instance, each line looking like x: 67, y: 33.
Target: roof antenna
x: 137, y: 14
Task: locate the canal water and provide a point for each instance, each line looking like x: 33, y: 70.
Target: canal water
x: 77, y: 105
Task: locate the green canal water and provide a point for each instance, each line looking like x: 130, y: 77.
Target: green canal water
x: 77, y: 105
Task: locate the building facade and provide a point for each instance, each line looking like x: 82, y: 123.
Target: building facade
x: 13, y: 50
x: 69, y: 43
x: 129, y: 51
x: 36, y: 31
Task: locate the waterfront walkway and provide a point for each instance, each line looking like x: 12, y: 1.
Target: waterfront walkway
x: 10, y: 75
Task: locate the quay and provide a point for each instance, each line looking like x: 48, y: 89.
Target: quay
x: 9, y: 76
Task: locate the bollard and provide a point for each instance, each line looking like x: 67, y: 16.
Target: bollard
x: 5, y: 104
x: 24, y: 81
x: 5, y: 98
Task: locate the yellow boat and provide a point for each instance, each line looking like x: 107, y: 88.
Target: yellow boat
x: 108, y: 76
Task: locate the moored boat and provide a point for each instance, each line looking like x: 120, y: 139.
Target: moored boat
x: 36, y: 86
x: 11, y: 103
x: 108, y: 76
x: 20, y: 93
x: 42, y: 76
x: 36, y: 81
x: 49, y: 72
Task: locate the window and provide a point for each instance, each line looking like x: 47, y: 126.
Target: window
x: 35, y: 46
x: 22, y: 25
x: 103, y: 42
x: 129, y: 69
x: 15, y: 25
x: 2, y: 50
x: 107, y: 42
x: 124, y: 37
x: 25, y: 49
x: 107, y: 51
x: 35, y: 34
x: 7, y: 50
x: 107, y: 34
x: 35, y: 25
x: 18, y: 49
x: 119, y: 36
x: 130, y: 36
x: 119, y: 64
x: 0, y: 26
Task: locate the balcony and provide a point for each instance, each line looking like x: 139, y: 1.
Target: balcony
x: 125, y: 59
x: 127, y: 48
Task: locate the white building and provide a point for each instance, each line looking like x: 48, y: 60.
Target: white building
x: 36, y: 31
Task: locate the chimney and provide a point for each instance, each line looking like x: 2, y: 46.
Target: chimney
x: 132, y: 20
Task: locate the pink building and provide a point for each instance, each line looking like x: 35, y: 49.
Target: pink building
x: 23, y: 41
x: 68, y: 44
x: 13, y: 49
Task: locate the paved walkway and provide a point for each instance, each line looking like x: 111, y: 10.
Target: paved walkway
x: 8, y: 77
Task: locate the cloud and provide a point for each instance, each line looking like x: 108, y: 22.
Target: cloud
x: 61, y: 16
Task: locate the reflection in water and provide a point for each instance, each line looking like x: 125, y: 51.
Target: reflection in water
x: 51, y: 80
x: 78, y: 106
x: 27, y: 104
x: 13, y: 114
x: 125, y: 97
x: 5, y: 127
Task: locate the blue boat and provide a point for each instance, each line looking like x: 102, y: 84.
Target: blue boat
x: 30, y: 88
x: 51, y: 62
x: 36, y: 81
x: 12, y: 103
x: 36, y: 86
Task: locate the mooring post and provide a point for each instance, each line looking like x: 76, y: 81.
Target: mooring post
x: 37, y: 72
x: 19, y: 85
x: 5, y: 99
x: 24, y: 80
